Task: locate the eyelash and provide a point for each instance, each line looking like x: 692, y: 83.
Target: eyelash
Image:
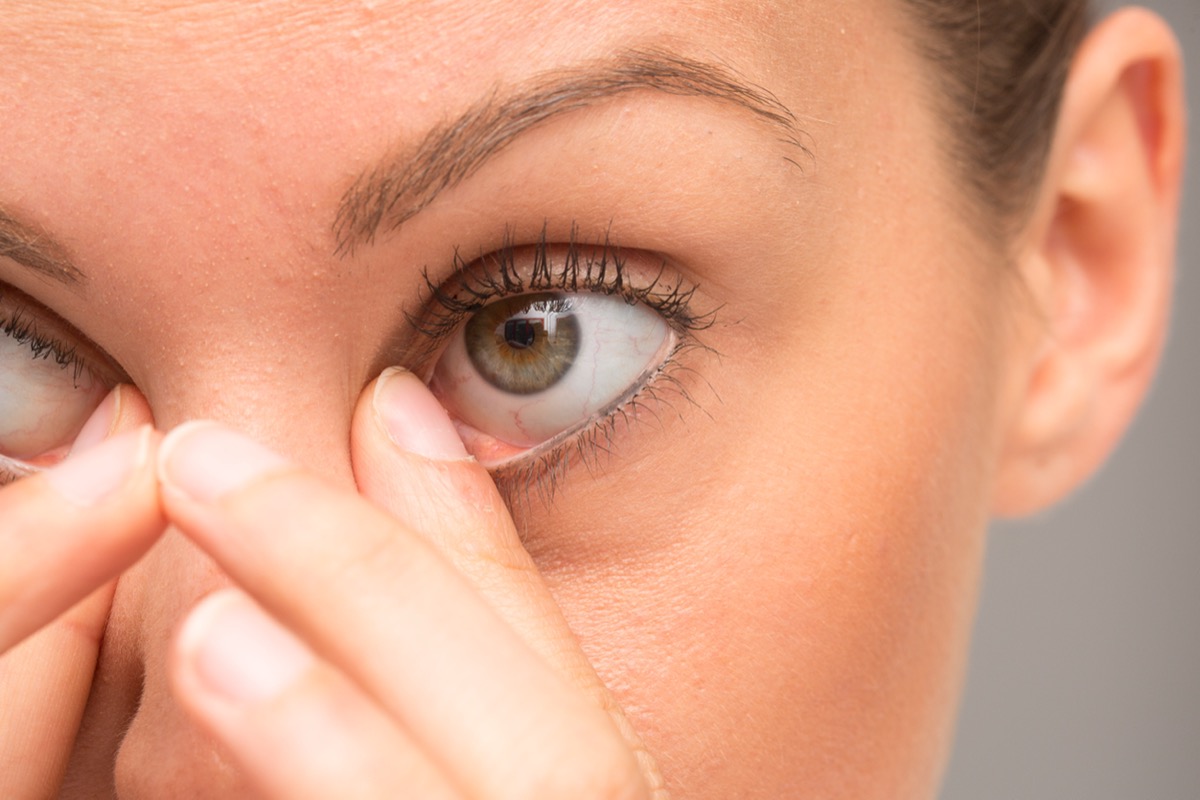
x: 600, y: 268
x: 24, y: 331
x: 18, y: 325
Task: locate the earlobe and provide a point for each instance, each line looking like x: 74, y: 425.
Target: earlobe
x: 1097, y: 259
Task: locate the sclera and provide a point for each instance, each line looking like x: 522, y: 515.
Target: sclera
x: 623, y: 346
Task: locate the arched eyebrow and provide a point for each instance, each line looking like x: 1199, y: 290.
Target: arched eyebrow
x: 388, y: 194
x: 32, y: 248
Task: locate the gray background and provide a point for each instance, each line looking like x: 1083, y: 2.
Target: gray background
x: 1085, y: 673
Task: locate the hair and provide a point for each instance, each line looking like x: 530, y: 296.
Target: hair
x: 999, y: 71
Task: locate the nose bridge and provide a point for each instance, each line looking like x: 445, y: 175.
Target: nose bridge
x: 298, y: 401
x: 263, y: 345
x: 294, y: 396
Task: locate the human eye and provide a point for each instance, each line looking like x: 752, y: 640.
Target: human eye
x: 51, y: 381
x: 543, y: 351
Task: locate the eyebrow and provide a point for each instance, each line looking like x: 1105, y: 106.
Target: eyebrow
x: 387, y: 195
x: 32, y: 248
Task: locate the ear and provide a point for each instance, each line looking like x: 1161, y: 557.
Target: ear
x: 1097, y: 258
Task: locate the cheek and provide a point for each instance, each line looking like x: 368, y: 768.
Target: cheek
x: 795, y: 637
x: 785, y: 611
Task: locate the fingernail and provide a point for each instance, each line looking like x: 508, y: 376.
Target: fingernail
x: 238, y: 652
x: 413, y: 418
x: 90, y: 476
x: 206, y: 460
x: 99, y: 425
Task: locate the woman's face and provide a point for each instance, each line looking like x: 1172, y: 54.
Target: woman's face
x: 771, y: 555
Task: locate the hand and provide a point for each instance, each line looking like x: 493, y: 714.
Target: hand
x: 65, y: 535
x: 397, y: 644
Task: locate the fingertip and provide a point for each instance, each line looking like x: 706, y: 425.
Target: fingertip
x: 412, y: 419
x: 230, y: 650
x: 99, y: 425
x: 89, y: 477
x: 133, y: 409
x: 123, y: 409
x: 205, y: 461
x: 409, y: 459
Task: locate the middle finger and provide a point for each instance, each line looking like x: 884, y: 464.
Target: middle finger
x: 377, y: 601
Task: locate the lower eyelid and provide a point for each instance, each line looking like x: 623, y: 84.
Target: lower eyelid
x: 648, y: 280
x: 486, y: 449
x: 539, y: 471
x: 12, y: 469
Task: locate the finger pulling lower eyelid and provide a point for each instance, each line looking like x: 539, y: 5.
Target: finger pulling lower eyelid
x: 206, y: 461
x: 413, y: 419
x: 89, y: 477
x: 100, y: 424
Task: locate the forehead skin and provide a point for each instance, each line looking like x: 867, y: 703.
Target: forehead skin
x: 781, y: 595
x: 172, y: 109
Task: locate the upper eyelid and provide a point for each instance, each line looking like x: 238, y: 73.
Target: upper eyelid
x: 570, y: 266
x: 62, y: 334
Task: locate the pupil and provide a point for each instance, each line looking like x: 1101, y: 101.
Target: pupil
x: 520, y: 334
x: 524, y: 344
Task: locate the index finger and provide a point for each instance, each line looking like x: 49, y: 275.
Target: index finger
x: 64, y: 536
x: 409, y: 460
x: 65, y: 532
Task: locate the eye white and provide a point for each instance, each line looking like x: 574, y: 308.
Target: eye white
x: 42, y: 404
x: 621, y: 346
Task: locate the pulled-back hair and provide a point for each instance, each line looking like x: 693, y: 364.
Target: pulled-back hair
x: 999, y: 71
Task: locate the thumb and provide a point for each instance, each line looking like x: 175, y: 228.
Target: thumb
x: 409, y: 459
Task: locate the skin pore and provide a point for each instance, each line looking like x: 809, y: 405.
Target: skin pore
x: 774, y: 569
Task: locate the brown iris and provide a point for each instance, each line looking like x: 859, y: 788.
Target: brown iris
x: 525, y: 344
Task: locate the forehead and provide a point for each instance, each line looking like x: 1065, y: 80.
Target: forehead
x: 216, y: 88
x: 335, y: 75
x: 415, y: 39
x: 429, y: 55
x: 219, y: 134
